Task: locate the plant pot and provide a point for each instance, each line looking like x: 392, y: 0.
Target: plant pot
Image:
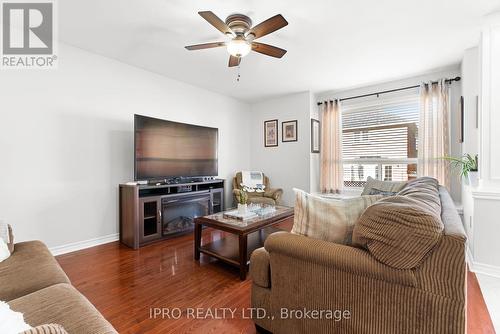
x: 473, y: 178
x: 242, y: 208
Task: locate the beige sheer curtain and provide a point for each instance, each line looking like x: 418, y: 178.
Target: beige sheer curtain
x: 434, y: 132
x: 331, y: 178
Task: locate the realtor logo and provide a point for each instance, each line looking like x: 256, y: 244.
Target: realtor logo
x: 28, y: 35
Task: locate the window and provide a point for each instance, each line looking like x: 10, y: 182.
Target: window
x: 379, y: 139
x: 388, y: 173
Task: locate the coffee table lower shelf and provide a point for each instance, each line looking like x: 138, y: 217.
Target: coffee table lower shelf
x: 240, y: 238
x: 227, y: 249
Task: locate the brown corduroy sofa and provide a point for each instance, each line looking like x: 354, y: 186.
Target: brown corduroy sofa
x: 294, y: 272
x: 33, y: 283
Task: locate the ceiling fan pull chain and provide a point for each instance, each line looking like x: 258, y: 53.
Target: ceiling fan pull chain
x: 239, y: 76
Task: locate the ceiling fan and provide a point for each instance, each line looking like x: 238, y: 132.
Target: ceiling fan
x: 239, y: 28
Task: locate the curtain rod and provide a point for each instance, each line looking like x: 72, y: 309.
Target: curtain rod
x: 449, y: 81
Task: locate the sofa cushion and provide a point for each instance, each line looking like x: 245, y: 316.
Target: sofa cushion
x: 398, y: 231
x: 30, y: 268
x: 328, y: 219
x: 46, y: 329
x: 382, y: 186
x: 64, y: 305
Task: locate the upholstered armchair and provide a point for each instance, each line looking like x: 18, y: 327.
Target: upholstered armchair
x: 269, y: 196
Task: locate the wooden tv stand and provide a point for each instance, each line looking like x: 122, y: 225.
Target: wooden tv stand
x: 150, y: 213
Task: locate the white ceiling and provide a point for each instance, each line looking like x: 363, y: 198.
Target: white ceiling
x: 332, y: 44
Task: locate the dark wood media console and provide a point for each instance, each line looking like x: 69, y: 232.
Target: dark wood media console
x: 154, y: 212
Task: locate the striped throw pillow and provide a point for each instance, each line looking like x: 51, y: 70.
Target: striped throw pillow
x: 399, y: 231
x: 328, y: 219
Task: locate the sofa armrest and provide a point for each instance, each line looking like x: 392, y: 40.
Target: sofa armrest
x: 340, y: 257
x: 274, y: 194
x: 260, y: 270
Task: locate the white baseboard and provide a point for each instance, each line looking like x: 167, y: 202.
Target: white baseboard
x: 481, y: 268
x: 75, y: 246
x: 486, y: 269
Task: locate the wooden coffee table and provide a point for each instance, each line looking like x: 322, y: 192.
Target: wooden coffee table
x: 250, y: 235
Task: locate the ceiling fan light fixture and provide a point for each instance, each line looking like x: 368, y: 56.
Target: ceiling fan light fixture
x: 238, y: 47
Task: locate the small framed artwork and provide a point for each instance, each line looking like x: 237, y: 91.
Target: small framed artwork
x: 289, y: 131
x: 315, y: 136
x: 271, y: 133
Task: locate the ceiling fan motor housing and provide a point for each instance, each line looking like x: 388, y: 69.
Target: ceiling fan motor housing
x: 239, y: 23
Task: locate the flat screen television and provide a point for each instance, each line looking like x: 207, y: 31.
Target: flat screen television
x: 166, y: 149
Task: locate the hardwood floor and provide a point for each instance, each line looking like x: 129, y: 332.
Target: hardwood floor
x: 478, y: 318
x: 125, y: 285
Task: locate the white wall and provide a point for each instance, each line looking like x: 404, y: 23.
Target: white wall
x: 288, y: 164
x: 482, y: 68
x: 455, y: 93
x: 66, y: 141
x: 470, y: 92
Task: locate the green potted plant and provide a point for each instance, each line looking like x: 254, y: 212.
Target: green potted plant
x: 467, y: 165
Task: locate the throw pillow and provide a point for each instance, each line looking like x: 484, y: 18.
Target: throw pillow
x: 389, y: 186
x: 6, y: 235
x: 374, y: 191
x: 10, y: 244
x: 46, y: 329
x: 12, y: 322
x: 328, y: 219
x: 4, y: 250
x: 426, y: 191
x: 398, y: 231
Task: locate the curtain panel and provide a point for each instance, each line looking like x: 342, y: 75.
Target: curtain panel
x: 331, y: 176
x: 434, y: 132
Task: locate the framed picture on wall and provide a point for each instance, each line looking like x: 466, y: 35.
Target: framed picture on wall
x: 315, y: 136
x: 271, y: 133
x: 289, y: 131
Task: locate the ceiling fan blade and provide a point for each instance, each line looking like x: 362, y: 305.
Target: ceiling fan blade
x: 268, y: 50
x: 205, y: 46
x: 268, y: 26
x: 234, y: 61
x: 216, y: 22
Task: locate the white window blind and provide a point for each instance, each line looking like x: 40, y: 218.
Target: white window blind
x: 379, y: 139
